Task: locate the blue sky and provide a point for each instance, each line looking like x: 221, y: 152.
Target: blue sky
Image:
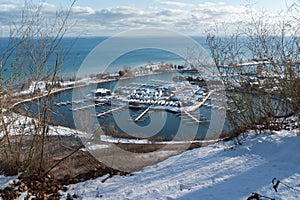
x: 103, y: 17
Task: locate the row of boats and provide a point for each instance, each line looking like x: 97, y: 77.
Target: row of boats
x: 173, y: 97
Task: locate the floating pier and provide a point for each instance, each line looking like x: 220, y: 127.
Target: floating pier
x: 192, y: 117
x: 80, y: 101
x: 126, y: 88
x: 187, y: 117
x: 109, y: 111
x: 193, y: 108
x: 195, y: 120
x: 146, y: 85
x: 201, y: 122
x: 161, y: 81
x: 142, y: 114
x: 64, y: 103
x: 85, y: 107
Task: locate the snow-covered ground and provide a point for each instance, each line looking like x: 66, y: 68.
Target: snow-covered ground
x: 22, y: 125
x: 5, y: 181
x: 79, y: 82
x: 219, y: 171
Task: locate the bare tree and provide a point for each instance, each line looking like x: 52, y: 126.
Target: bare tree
x: 34, y: 54
x: 262, y: 94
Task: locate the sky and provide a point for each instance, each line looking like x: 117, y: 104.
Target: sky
x: 106, y: 18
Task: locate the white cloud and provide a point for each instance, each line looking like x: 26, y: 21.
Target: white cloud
x: 122, y: 10
x: 173, y: 3
x: 107, y: 21
x: 7, y: 7
x: 83, y: 10
x: 10, y: 5
x: 191, y: 20
x: 47, y: 7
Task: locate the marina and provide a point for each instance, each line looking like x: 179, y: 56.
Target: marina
x: 172, y: 97
x: 138, y: 102
x: 177, y: 96
x: 141, y: 101
x: 185, y: 106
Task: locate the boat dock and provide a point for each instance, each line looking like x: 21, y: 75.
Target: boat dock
x: 126, y: 88
x: 142, y: 114
x: 146, y: 85
x: 86, y: 107
x: 110, y: 111
x: 161, y: 81
x: 192, y: 117
x: 195, y: 107
x: 64, y: 103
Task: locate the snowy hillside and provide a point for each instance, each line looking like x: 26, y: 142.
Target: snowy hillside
x: 220, y: 171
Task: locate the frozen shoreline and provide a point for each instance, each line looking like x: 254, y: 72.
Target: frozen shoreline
x: 84, y: 82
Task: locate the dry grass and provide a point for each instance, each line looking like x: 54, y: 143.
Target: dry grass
x: 64, y: 157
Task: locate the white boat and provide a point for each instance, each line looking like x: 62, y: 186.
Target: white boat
x: 174, y: 97
x: 100, y: 95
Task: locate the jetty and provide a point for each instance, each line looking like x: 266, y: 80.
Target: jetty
x: 110, y: 111
x: 198, y: 105
x: 161, y: 81
x: 146, y: 85
x: 192, y: 117
x: 64, y: 103
x: 86, y: 107
x: 142, y: 114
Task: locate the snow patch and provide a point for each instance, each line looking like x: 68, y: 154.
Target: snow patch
x: 6, y: 180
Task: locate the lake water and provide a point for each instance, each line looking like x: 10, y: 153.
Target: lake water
x: 78, y: 48
x: 156, y: 123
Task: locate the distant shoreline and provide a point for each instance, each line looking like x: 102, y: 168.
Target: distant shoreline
x: 84, y: 82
